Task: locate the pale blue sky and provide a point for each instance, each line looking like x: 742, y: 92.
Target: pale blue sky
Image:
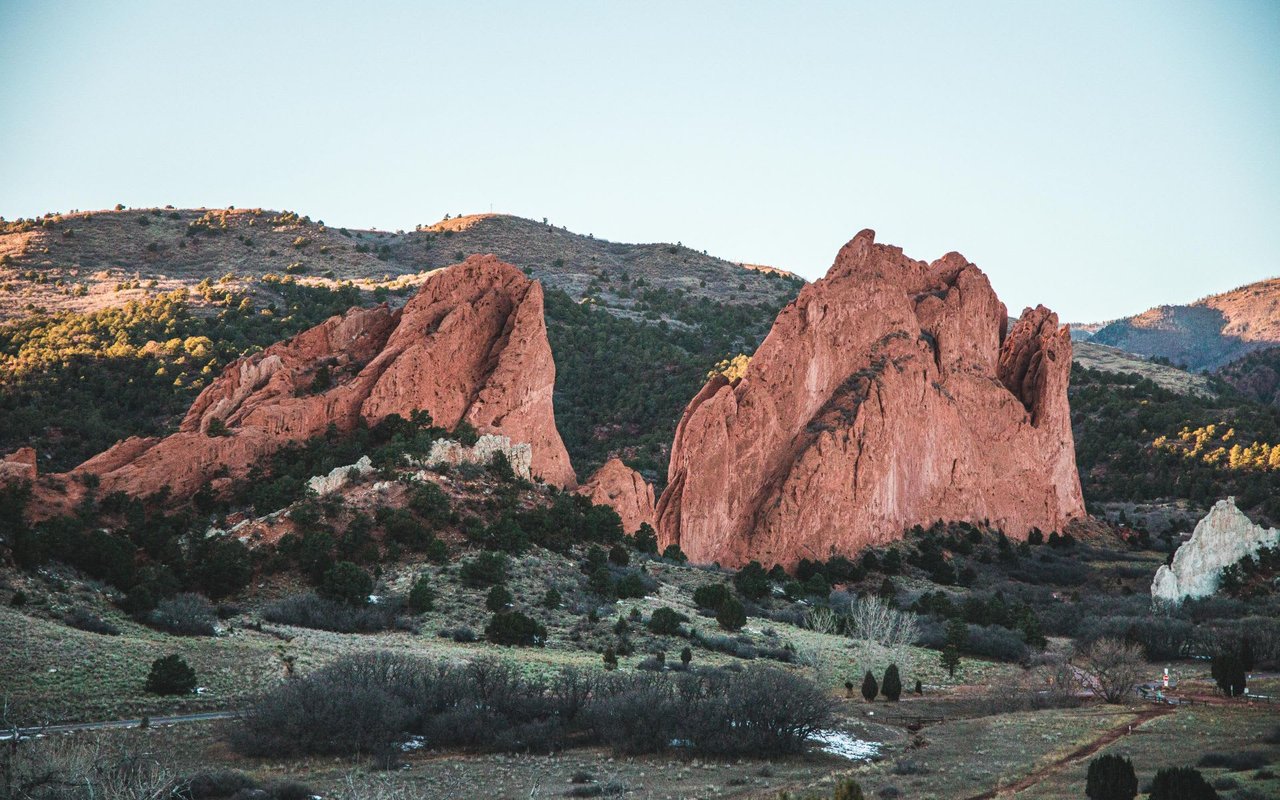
x: 1096, y: 157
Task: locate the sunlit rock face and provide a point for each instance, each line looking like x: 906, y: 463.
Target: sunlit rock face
x: 18, y: 466
x: 450, y: 453
x: 886, y: 395
x: 1222, y: 538
x: 470, y: 346
x: 625, y: 490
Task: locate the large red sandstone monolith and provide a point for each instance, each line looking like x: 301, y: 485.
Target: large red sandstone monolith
x: 470, y: 346
x: 625, y: 490
x: 885, y: 396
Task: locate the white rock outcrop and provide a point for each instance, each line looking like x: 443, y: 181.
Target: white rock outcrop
x: 452, y: 453
x: 1222, y: 538
x: 339, y: 476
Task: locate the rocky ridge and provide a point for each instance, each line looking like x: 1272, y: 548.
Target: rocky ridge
x: 470, y: 346
x: 1223, y: 537
x: 886, y: 395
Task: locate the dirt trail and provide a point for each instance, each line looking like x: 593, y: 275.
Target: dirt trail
x: 1079, y: 754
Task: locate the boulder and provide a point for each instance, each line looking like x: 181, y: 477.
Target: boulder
x: 339, y: 477
x: 887, y: 395
x: 470, y: 346
x: 450, y: 453
x: 18, y: 466
x: 1222, y: 538
x: 625, y: 490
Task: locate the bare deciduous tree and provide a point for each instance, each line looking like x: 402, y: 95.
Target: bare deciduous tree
x: 1111, y: 668
x: 822, y: 620
x: 880, y: 632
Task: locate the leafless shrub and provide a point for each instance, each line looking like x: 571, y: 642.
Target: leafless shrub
x: 880, y: 632
x: 310, y: 611
x: 1111, y: 668
x: 71, y: 769
x: 184, y: 615
x: 366, y: 703
x: 822, y: 620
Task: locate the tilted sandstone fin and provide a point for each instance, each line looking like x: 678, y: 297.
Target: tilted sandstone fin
x: 470, y: 345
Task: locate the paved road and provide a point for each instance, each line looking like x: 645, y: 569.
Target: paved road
x: 204, y: 716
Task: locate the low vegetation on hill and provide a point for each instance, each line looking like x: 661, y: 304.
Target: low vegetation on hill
x: 72, y: 384
x: 1138, y: 442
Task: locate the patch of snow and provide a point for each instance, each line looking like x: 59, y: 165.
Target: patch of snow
x: 414, y: 743
x: 842, y: 744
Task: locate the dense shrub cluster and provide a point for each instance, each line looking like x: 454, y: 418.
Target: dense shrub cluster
x: 312, y: 611
x: 369, y: 703
x: 184, y: 615
x: 86, y: 620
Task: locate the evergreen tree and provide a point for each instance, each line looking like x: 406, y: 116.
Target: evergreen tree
x: 1181, y: 783
x: 1111, y: 777
x: 346, y: 583
x: 891, y: 687
x: 421, y: 596
x: 731, y: 615
x: 752, y: 581
x: 171, y: 675
x: 869, y: 687
x: 1229, y: 673
x: 552, y: 598
x: 498, y: 598
x: 950, y: 659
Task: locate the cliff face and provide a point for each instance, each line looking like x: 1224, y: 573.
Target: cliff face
x: 885, y: 396
x: 470, y: 346
x: 625, y: 490
x: 1222, y: 538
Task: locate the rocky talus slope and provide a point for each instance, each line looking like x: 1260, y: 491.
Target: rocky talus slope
x: 470, y: 346
x: 886, y: 395
x: 1222, y: 538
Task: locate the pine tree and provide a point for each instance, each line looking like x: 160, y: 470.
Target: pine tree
x: 1111, y: 777
x: 171, y: 675
x: 421, y: 596
x: 950, y: 659
x: 1181, y: 783
x: 869, y: 687
x: 891, y: 687
x: 1229, y: 673
x: 731, y: 616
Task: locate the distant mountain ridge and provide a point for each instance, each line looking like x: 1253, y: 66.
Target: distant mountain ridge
x: 1204, y: 335
x: 116, y: 256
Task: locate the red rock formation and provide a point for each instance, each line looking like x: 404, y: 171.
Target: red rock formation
x: 886, y: 396
x: 470, y: 345
x: 19, y: 466
x: 621, y: 487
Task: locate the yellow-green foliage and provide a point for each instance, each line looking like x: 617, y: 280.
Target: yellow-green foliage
x: 734, y: 369
x: 1221, y: 448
